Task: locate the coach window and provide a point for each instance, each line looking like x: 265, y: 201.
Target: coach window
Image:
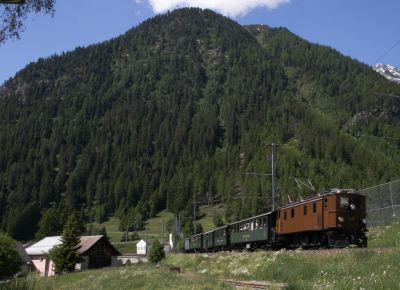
x: 284, y: 215
x: 325, y: 202
x: 292, y: 214
x: 305, y: 210
x: 314, y: 207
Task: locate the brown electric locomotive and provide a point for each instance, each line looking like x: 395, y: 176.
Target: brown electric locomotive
x: 335, y: 218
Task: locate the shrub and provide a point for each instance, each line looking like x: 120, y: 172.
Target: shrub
x: 10, y: 261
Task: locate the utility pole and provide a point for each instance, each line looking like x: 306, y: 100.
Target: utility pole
x: 273, y: 174
x: 179, y: 231
x: 162, y: 230
x: 273, y: 145
x: 194, y: 217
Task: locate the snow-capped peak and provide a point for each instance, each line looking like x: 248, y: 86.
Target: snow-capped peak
x: 388, y: 71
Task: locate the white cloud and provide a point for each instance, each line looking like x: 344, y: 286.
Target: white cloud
x: 226, y: 7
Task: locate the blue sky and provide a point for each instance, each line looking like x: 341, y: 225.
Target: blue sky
x: 362, y: 29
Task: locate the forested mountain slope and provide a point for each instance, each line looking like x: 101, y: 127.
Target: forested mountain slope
x: 158, y: 117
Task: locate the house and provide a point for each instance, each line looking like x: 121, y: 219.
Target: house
x: 143, y: 246
x: 96, y: 252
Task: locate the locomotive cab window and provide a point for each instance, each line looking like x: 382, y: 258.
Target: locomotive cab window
x: 305, y: 210
x: 292, y: 214
x: 314, y: 207
x: 325, y: 202
x: 284, y: 215
x: 344, y: 202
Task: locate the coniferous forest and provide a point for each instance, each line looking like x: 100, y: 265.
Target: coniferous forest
x: 174, y: 111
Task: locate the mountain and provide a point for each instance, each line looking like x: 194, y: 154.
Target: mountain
x: 174, y: 111
x: 388, y: 71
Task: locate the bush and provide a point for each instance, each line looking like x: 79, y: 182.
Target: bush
x: 135, y: 236
x: 10, y: 261
x: 156, y: 252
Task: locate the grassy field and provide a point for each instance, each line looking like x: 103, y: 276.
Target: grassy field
x: 384, y: 236
x: 113, y: 232
x: 321, y: 269
x: 376, y: 267
x: 141, y: 276
x: 126, y: 247
x: 154, y: 230
x: 154, y: 227
x: 206, y: 214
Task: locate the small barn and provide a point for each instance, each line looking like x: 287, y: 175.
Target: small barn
x: 143, y: 246
x: 96, y: 251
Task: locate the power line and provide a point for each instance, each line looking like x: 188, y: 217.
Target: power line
x: 387, y: 95
x: 387, y: 52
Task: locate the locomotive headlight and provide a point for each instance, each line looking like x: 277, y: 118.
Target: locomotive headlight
x: 364, y: 221
x: 352, y: 206
x: 340, y: 219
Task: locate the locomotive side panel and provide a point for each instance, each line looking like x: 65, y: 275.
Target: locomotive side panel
x: 307, y: 216
x: 330, y: 211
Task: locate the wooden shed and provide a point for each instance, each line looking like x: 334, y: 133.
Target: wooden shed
x: 97, y: 252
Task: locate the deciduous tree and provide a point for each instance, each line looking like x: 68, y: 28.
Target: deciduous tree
x: 13, y: 16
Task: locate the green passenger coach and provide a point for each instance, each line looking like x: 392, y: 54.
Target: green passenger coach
x: 250, y: 232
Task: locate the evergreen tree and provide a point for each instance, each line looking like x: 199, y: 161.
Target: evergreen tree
x: 156, y: 252
x: 65, y: 256
x: 49, y: 224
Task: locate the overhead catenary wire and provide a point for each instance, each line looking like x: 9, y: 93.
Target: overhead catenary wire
x: 387, y: 51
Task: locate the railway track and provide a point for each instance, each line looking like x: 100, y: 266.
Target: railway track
x: 255, y: 284
x: 236, y: 284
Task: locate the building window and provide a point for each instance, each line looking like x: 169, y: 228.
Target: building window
x: 292, y: 214
x: 305, y: 210
x: 314, y: 207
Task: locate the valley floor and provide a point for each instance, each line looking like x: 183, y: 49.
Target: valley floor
x: 376, y: 267
x: 300, y: 269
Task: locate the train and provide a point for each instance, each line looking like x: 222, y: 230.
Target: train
x: 335, y: 218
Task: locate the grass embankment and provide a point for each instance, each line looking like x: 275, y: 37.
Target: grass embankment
x: 384, y: 236
x: 141, y: 276
x: 337, y: 269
